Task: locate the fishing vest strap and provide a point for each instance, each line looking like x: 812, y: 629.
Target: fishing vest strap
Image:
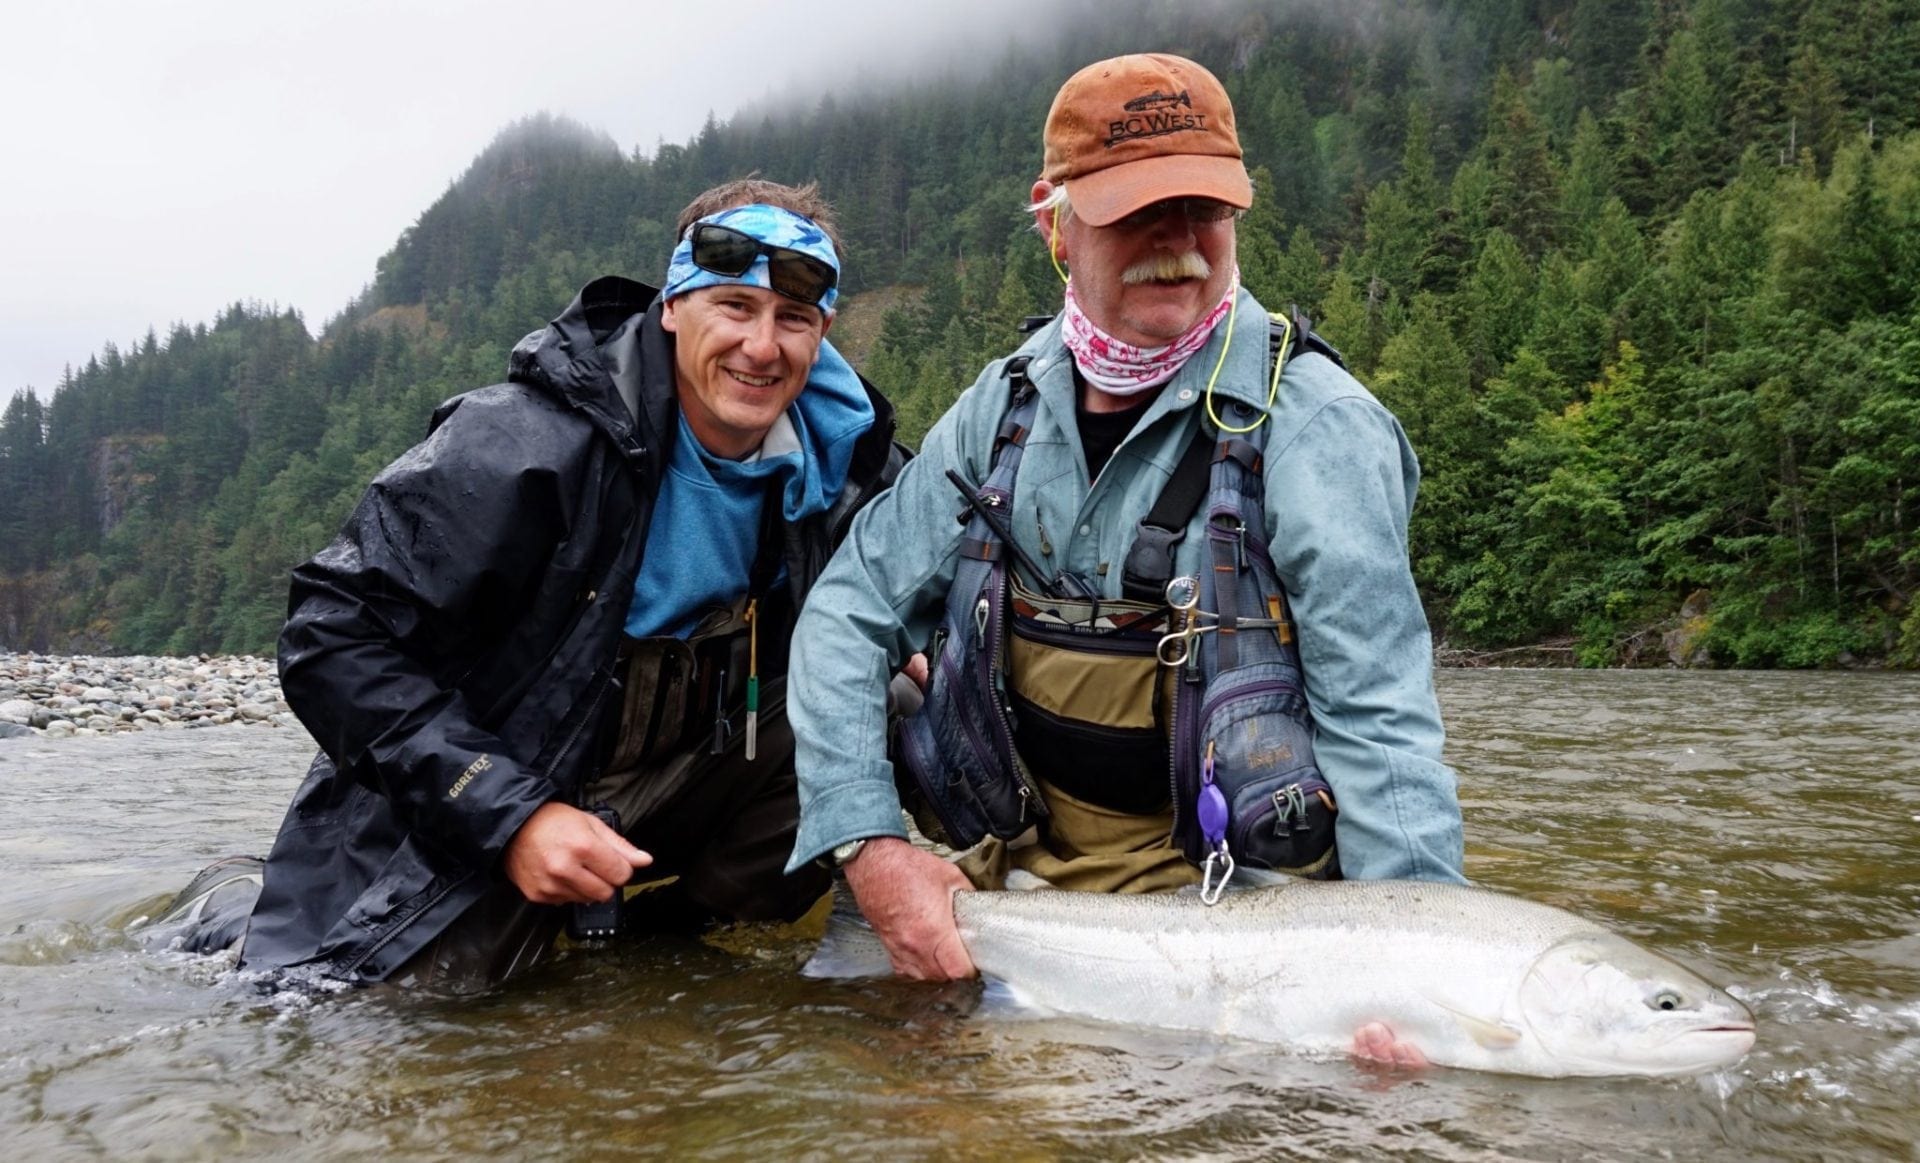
x: 1240, y: 449
x: 1149, y: 565
x: 1014, y: 425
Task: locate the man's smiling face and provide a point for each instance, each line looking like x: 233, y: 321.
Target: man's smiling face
x: 741, y: 356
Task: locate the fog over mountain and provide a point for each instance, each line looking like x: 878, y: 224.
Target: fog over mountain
x: 168, y: 160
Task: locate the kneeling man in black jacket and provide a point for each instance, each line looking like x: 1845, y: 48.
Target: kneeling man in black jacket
x: 545, y: 658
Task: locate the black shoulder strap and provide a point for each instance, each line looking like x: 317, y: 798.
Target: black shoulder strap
x: 1305, y: 339
x: 1149, y: 565
x: 1014, y: 421
x: 1018, y: 381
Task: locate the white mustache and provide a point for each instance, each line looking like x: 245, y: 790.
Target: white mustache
x: 1168, y: 267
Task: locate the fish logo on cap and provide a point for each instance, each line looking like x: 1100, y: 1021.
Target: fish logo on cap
x: 1136, y: 129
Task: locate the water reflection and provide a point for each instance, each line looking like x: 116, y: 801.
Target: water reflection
x: 1765, y: 828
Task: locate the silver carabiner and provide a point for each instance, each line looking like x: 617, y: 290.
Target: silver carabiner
x: 1209, y: 891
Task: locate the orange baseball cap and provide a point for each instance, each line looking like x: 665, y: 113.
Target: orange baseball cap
x: 1136, y: 129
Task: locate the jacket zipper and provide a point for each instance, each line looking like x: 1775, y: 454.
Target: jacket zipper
x: 1030, y: 798
x: 1174, y: 750
x: 1091, y: 643
x: 1272, y: 686
x: 593, y: 709
x: 955, y: 675
x: 352, y: 968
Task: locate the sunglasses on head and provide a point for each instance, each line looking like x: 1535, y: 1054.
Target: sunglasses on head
x: 1203, y: 210
x: 797, y: 275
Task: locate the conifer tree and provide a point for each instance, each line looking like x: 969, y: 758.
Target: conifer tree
x: 1525, y: 194
x: 1497, y: 311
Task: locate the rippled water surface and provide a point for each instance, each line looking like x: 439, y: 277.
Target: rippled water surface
x: 1763, y: 827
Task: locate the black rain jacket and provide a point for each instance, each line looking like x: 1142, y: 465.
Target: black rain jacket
x: 452, y: 649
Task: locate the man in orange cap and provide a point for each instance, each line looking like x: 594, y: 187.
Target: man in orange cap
x: 1041, y: 700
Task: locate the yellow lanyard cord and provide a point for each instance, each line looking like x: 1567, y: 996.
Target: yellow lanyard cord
x: 1053, y: 244
x: 1273, y: 389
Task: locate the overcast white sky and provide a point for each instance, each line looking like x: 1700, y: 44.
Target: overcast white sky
x: 167, y: 159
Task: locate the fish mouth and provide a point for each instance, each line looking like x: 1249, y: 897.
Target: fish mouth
x: 1712, y: 1046
x: 1741, y: 1034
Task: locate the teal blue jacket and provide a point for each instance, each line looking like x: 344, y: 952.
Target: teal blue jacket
x: 1340, y: 480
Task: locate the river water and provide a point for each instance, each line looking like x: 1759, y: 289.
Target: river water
x: 1764, y: 828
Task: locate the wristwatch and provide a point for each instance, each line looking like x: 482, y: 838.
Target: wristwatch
x: 844, y: 853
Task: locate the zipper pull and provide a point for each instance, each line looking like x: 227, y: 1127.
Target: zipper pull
x: 1046, y: 546
x: 980, y: 612
x: 753, y: 676
x: 720, y: 726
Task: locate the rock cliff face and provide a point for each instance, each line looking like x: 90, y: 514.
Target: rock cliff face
x: 116, y: 461
x: 1684, y: 642
x: 53, y: 609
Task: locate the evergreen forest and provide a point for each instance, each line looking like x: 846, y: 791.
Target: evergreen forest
x: 1640, y: 277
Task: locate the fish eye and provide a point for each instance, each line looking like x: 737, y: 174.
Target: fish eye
x: 1666, y: 999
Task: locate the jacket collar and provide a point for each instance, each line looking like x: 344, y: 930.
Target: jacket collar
x: 570, y: 359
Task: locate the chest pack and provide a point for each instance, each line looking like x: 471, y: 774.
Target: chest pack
x: 1218, y: 648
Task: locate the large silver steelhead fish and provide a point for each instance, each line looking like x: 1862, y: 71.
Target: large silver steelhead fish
x: 1474, y: 978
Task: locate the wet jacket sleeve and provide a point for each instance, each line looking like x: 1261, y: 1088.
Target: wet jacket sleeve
x: 878, y: 601
x: 441, y: 545
x: 1338, y: 500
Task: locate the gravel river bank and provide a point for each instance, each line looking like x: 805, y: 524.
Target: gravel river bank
x: 67, y: 695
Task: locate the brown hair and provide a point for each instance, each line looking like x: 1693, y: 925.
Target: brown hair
x: 803, y: 200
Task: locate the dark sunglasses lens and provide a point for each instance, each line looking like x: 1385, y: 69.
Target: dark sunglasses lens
x: 1208, y: 210
x: 723, y: 251
x: 799, y: 276
x: 1194, y: 209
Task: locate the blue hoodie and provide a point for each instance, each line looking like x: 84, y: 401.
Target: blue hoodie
x: 706, y: 520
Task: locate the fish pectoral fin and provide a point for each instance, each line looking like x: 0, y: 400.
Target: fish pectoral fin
x: 1489, y: 1033
x: 849, y: 949
x: 1003, y: 999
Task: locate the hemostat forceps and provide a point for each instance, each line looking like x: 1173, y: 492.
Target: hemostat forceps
x: 1183, y: 597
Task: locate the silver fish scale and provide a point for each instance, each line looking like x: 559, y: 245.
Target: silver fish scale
x: 1408, y: 906
x: 1305, y: 964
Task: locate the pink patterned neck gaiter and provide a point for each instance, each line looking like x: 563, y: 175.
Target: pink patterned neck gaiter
x: 1121, y: 369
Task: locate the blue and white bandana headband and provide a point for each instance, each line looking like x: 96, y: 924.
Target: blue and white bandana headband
x: 770, y: 224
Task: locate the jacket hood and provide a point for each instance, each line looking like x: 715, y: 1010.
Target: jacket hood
x: 572, y: 359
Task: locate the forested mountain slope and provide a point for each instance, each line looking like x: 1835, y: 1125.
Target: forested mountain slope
x: 1641, y: 277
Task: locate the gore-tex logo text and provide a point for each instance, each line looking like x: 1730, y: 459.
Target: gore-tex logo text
x: 1155, y: 115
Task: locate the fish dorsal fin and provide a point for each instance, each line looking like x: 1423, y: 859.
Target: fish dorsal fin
x: 1489, y: 1033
